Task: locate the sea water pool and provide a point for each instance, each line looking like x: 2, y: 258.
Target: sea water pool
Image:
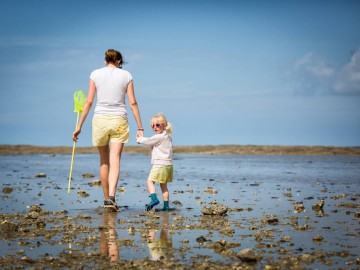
x: 256, y: 188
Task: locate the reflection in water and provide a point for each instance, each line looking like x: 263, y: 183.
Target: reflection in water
x: 108, y: 237
x: 160, y: 245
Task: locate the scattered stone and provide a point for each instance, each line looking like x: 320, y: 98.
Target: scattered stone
x: 40, y: 175
x: 303, y: 228
x: 357, y: 214
x: 271, y: 220
x: 318, y: 238
x: 35, y: 208
x: 348, y: 205
x: 7, y: 226
x: 83, y: 193
x: 248, y: 255
x: 32, y: 215
x: 40, y: 224
x: 201, y: 240
x: 88, y: 175
x: 7, y: 190
x: 299, y: 208
x: 131, y: 229
x: 210, y: 190
x: 177, y: 202
x: 84, y: 216
x: 222, y: 245
x: 122, y: 189
x: 96, y: 182
x: 318, y: 205
x: 218, y: 209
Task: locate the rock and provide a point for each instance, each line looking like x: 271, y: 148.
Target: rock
x: 83, y: 193
x: 32, y: 215
x: 248, y: 255
x: 7, y: 190
x: 219, y: 245
x: 299, y: 207
x: 318, y: 238
x: 201, y: 240
x: 357, y: 214
x: 8, y: 226
x: 84, y: 216
x: 303, y: 228
x: 40, y: 175
x: 177, y: 202
x: 122, y: 189
x: 318, y: 205
x: 271, y: 220
x: 35, y: 208
x: 131, y: 229
x: 40, y: 224
x: 218, y: 209
x: 88, y: 175
x: 96, y: 182
x: 210, y: 190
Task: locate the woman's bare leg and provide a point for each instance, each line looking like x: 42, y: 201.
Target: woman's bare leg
x: 104, y: 170
x: 114, y: 172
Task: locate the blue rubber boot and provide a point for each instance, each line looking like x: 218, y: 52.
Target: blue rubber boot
x: 154, y: 202
x: 166, y: 206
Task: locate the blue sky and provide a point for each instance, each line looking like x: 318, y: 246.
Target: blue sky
x: 224, y: 72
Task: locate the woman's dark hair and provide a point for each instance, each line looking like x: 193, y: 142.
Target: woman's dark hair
x: 112, y: 55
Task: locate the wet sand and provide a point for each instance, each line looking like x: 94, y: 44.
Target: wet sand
x: 283, y: 225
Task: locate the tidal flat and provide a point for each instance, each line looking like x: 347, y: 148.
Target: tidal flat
x: 228, y: 212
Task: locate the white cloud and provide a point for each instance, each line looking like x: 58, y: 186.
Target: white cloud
x: 348, y: 80
x: 313, y: 66
x: 312, y: 75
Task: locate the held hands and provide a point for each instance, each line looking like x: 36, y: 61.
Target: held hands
x: 139, y: 133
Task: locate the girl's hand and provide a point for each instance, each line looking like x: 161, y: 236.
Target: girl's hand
x: 139, y: 133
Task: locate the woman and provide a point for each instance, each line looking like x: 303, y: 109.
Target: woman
x: 110, y: 129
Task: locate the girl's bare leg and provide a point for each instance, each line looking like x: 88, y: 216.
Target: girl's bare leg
x: 165, y: 191
x: 151, y: 186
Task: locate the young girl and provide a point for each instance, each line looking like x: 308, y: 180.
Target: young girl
x: 161, y: 159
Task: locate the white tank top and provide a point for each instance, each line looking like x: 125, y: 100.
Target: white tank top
x: 111, y: 86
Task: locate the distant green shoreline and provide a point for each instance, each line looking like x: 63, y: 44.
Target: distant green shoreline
x: 204, y: 149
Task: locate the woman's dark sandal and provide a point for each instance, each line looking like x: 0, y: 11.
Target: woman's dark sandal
x: 111, y: 206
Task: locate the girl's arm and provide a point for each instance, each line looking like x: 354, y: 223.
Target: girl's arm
x: 154, y: 140
x: 87, y: 106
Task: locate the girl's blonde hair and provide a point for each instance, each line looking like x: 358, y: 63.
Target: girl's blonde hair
x: 160, y: 117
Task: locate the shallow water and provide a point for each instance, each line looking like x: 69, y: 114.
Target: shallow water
x: 268, y: 185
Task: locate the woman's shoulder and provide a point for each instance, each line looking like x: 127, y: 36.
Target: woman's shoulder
x: 124, y: 71
x: 98, y: 70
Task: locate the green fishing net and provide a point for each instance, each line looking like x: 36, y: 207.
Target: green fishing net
x: 79, y: 100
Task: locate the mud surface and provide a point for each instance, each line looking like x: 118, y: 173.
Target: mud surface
x: 228, y: 212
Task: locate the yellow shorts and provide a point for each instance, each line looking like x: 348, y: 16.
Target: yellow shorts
x: 109, y: 128
x: 161, y: 174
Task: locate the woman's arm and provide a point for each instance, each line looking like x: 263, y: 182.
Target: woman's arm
x: 135, y: 108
